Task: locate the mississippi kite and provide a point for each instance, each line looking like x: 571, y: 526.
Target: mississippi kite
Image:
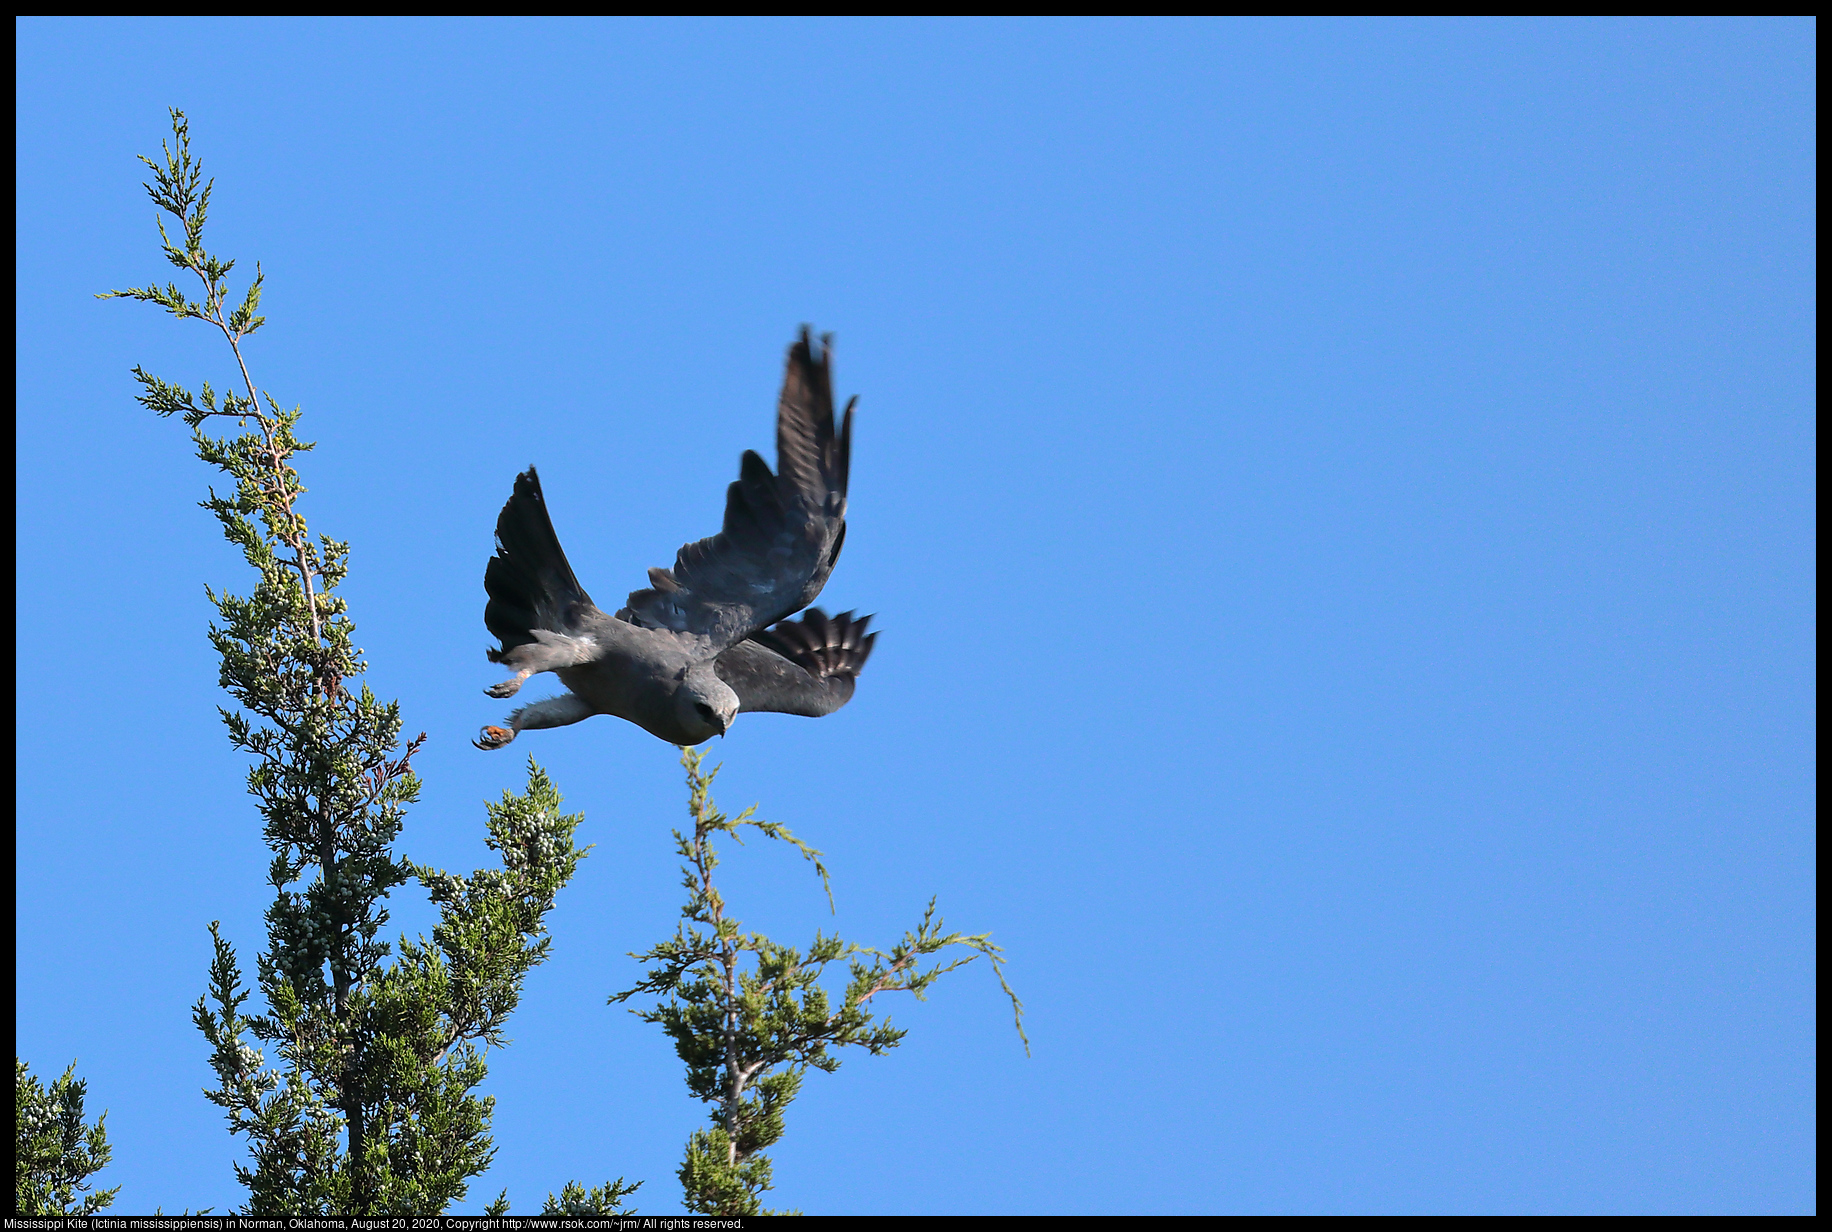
x: 686, y: 655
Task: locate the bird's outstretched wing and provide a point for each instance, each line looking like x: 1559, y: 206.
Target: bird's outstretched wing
x: 808, y: 666
x: 537, y: 607
x: 782, y: 531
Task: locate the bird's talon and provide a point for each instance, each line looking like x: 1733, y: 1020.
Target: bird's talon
x: 491, y: 738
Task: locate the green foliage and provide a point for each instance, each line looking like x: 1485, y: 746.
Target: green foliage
x: 749, y: 1016
x: 56, y: 1152
x: 575, y: 1199
x: 179, y: 189
x: 419, y: 1022
x: 370, y: 1111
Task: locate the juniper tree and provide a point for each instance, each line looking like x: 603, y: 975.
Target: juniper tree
x: 369, y: 1106
x: 749, y: 1016
x: 55, y: 1151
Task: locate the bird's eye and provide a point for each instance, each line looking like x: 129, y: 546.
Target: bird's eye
x: 705, y: 711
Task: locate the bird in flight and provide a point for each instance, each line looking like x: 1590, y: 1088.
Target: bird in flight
x: 690, y: 652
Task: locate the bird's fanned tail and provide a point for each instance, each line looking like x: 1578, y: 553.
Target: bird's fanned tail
x: 822, y: 645
x: 807, y: 667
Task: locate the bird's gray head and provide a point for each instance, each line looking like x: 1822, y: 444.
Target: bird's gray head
x: 704, y: 705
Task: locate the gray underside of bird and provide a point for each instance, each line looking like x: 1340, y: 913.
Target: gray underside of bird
x: 637, y: 678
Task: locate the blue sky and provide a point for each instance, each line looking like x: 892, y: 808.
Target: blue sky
x: 1338, y: 497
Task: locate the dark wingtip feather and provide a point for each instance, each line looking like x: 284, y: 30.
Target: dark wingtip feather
x: 843, y: 468
x: 528, y: 580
